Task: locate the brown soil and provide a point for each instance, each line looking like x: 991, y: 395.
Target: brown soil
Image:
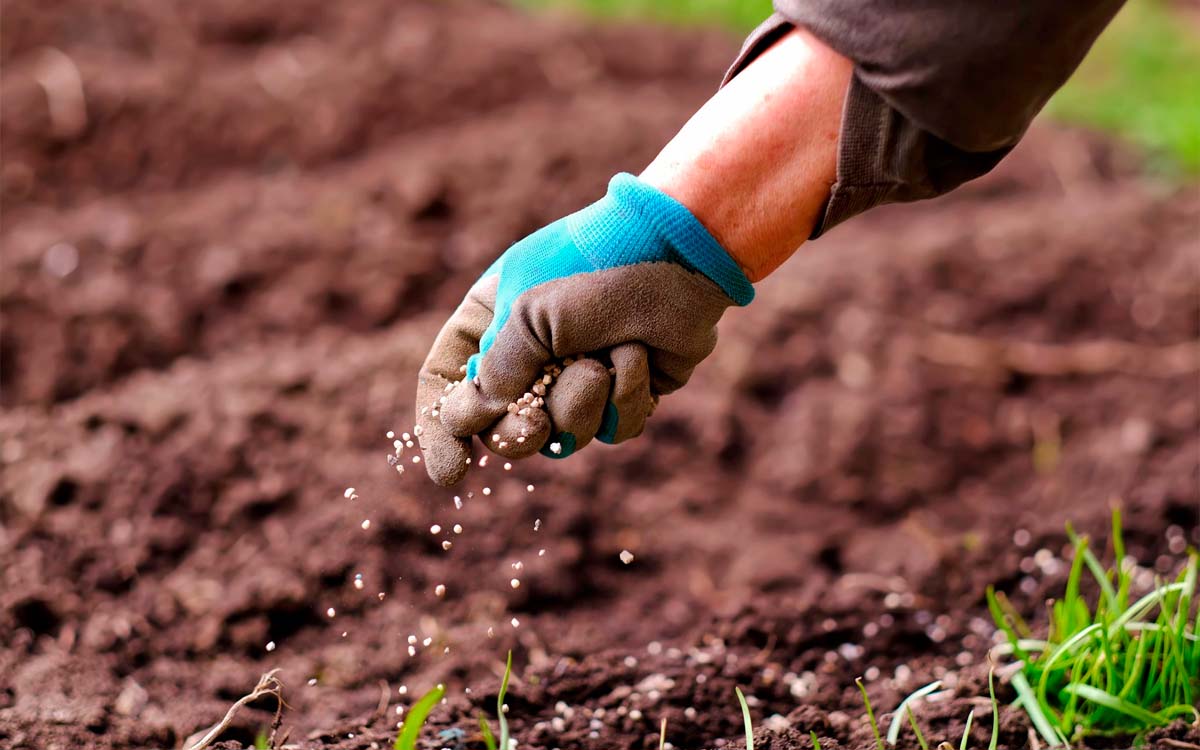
x: 216, y: 295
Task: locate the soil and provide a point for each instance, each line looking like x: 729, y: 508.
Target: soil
x: 216, y: 294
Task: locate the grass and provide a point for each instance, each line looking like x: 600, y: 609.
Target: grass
x: 411, y: 729
x: 1139, y: 81
x: 1115, y: 666
x: 489, y: 739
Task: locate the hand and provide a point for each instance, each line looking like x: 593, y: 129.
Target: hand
x: 576, y: 331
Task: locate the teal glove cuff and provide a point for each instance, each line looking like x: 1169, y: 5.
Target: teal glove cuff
x: 636, y: 223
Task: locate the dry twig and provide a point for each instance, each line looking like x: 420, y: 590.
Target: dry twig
x: 268, y: 684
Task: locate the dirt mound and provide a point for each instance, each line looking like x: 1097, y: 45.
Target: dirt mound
x: 216, y: 295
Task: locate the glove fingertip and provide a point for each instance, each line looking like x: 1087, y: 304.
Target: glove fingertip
x: 608, y: 424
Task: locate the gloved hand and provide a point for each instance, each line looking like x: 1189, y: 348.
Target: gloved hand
x: 576, y: 331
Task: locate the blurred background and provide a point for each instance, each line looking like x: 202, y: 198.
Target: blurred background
x: 1138, y: 82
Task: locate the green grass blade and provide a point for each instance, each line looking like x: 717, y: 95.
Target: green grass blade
x: 816, y: 742
x: 489, y: 739
x: 746, y: 718
x: 916, y: 729
x: 501, y: 716
x: 1108, y: 700
x: 1033, y: 708
x: 893, y: 732
x: 870, y: 713
x: 411, y: 730
x: 967, y: 730
x: 995, y: 710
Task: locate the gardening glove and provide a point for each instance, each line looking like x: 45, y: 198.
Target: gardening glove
x: 575, y: 332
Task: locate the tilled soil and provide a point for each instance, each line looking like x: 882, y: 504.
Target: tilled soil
x: 216, y: 294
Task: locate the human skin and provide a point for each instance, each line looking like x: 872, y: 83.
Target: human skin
x: 756, y: 162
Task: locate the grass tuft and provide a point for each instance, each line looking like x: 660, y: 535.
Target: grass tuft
x: 411, y: 729
x: 746, y: 718
x: 870, y: 713
x: 1108, y: 666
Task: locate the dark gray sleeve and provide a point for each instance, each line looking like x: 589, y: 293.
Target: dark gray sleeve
x: 942, y: 89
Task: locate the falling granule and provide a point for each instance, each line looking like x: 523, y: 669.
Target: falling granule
x: 381, y: 595
x: 331, y: 612
x: 358, y: 583
x: 515, y: 622
x: 515, y: 583
x: 271, y: 645
x: 402, y: 690
x: 398, y: 445
x: 507, y: 466
x: 412, y: 639
x: 399, y: 710
x: 446, y: 650
x: 491, y: 632
x: 446, y: 545
x: 541, y: 553
x: 426, y: 642
x: 457, y: 528
x: 312, y: 681
x: 556, y: 448
x: 529, y: 488
x: 349, y: 491
x: 390, y: 434
x: 518, y: 565
x: 483, y: 461
x: 626, y: 556
x: 416, y: 459
x: 457, y: 502
x: 487, y: 490
x: 435, y: 529
x: 537, y: 524
x: 366, y: 524
x: 412, y: 650
x: 439, y: 590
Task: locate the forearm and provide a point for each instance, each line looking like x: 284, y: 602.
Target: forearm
x: 756, y: 162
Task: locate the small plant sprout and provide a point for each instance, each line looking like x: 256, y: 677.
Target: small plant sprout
x: 662, y: 735
x: 489, y: 740
x: 410, y: 730
x: 746, y: 718
x: 1118, y: 667
x: 816, y: 742
x: 870, y: 714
